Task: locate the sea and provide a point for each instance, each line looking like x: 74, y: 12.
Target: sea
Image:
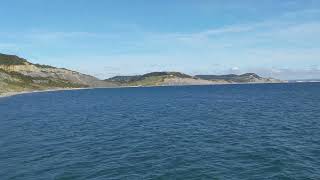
x: 232, y: 132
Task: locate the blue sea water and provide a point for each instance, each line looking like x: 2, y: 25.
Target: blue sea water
x: 263, y: 131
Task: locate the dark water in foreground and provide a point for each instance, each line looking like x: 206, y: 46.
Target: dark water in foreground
x: 194, y: 132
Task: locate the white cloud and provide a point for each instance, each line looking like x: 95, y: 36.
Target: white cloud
x: 288, y: 41
x: 234, y: 68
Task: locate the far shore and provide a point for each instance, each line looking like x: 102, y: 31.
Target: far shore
x: 9, y: 94
x: 13, y: 93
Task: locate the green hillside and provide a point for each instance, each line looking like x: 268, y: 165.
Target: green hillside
x: 11, y: 60
x: 149, y: 79
x: 32, y: 77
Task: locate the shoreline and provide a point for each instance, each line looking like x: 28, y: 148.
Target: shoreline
x: 13, y: 93
x: 10, y: 94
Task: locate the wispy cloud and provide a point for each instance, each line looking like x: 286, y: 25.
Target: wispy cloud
x: 294, y: 22
x: 288, y: 41
x: 285, y: 24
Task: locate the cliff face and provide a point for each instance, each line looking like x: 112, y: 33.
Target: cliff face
x: 17, y: 74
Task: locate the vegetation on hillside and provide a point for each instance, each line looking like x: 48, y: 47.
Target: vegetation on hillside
x: 11, y: 60
x: 149, y: 79
x: 230, y: 77
x: 43, y: 66
x: 13, y: 81
x: 41, y: 78
x: 158, y: 78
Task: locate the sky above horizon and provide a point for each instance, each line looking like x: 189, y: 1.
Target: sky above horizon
x: 122, y: 37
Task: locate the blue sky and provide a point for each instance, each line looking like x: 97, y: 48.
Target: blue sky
x: 124, y: 37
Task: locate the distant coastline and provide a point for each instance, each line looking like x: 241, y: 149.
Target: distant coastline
x: 19, y: 76
x: 13, y: 93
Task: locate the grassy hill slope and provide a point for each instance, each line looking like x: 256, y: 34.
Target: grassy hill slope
x: 17, y: 74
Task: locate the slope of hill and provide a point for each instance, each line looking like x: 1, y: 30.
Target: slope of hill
x: 149, y: 79
x: 243, y: 78
x: 17, y: 74
x: 161, y: 79
x: 154, y: 79
x: 176, y: 78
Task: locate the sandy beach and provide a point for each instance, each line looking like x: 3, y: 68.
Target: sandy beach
x: 9, y: 94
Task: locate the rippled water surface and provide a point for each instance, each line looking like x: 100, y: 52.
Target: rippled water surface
x: 269, y: 131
